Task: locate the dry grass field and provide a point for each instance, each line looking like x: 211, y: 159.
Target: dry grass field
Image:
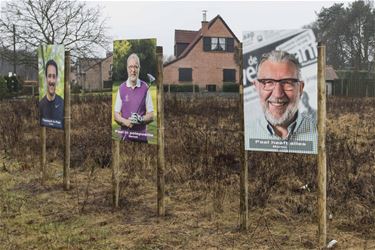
x: 202, y: 182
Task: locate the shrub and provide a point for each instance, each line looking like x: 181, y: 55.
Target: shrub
x: 231, y: 87
x: 3, y: 88
x: 76, y: 88
x: 181, y: 88
x: 14, y: 84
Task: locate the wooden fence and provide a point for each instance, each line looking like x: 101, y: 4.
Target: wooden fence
x: 354, y: 87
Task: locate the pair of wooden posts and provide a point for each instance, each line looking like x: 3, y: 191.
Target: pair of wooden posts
x: 322, y: 169
x: 67, y: 121
x: 160, y: 160
x: 322, y: 158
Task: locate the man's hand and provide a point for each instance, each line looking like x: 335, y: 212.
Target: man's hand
x: 127, y: 123
x: 136, y: 119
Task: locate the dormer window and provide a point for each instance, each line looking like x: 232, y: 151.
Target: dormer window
x: 218, y: 44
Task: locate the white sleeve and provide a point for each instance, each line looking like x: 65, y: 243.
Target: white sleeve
x: 149, y: 106
x: 118, y: 102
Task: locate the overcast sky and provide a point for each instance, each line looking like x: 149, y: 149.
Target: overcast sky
x: 159, y: 19
x: 136, y: 20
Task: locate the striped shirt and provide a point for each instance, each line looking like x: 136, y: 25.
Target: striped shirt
x: 302, y: 136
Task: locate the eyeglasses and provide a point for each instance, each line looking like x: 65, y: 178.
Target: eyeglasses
x: 287, y: 84
x: 133, y: 67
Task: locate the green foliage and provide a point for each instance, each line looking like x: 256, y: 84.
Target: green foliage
x: 348, y: 33
x: 76, y: 88
x: 13, y: 85
x: 230, y: 87
x: 146, y: 51
x: 45, y: 53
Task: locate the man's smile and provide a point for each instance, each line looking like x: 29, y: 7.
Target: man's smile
x: 278, y: 102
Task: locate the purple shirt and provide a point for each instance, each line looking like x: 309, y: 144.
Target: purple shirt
x: 134, y: 101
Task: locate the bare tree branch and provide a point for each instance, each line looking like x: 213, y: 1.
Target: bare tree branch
x: 76, y: 25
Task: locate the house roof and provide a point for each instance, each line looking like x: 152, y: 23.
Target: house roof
x: 330, y: 73
x: 86, y: 63
x: 99, y: 62
x: 184, y: 36
x: 198, y: 36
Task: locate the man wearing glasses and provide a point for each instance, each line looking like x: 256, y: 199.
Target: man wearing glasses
x: 280, y: 88
x: 133, y: 105
x: 51, y: 106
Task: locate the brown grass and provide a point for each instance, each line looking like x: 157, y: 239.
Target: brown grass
x: 202, y: 178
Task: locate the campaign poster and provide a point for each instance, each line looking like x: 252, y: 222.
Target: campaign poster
x: 134, y: 91
x: 280, y: 91
x: 51, y: 85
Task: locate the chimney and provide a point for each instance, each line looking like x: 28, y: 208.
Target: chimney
x: 204, y: 22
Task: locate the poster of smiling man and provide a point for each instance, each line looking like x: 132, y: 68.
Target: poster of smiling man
x: 134, y: 91
x: 280, y: 91
x: 51, y: 85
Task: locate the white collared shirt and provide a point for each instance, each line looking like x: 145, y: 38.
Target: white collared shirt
x: 302, y: 136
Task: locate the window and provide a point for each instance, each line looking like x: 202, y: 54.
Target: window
x: 229, y: 75
x: 185, y: 74
x: 211, y: 87
x: 218, y: 44
x: 110, y: 71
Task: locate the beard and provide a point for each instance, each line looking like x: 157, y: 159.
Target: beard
x: 133, y: 78
x: 286, y: 118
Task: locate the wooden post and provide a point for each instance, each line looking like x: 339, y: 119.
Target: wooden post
x: 244, y: 207
x: 116, y: 171
x: 322, y: 159
x: 67, y: 120
x: 161, y: 160
x: 43, y: 155
x: 14, y: 51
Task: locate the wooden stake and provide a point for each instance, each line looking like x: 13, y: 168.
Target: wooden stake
x: 244, y: 207
x: 67, y: 120
x: 322, y: 158
x: 116, y: 171
x: 161, y: 160
x: 43, y: 155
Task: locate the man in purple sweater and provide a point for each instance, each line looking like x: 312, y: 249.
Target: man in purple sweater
x: 133, y: 105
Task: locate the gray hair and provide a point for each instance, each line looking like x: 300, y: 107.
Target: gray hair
x: 281, y: 56
x: 135, y: 57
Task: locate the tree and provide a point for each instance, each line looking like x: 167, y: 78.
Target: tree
x: 71, y: 23
x: 146, y: 51
x: 349, y: 34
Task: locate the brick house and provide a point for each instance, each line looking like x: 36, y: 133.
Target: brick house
x: 94, y: 74
x: 205, y: 57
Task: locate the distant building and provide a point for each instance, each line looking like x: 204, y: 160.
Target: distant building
x: 94, y: 73
x: 205, y: 57
x: 330, y: 77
